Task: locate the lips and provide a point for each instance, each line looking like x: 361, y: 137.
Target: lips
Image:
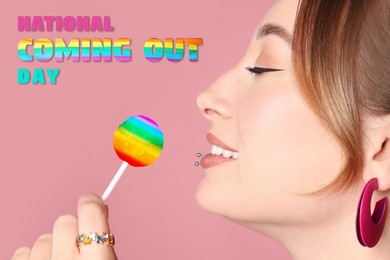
x: 220, y: 153
x: 212, y: 139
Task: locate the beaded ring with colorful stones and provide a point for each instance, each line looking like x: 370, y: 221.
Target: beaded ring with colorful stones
x: 104, y: 239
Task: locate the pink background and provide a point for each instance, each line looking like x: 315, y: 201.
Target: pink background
x: 56, y: 140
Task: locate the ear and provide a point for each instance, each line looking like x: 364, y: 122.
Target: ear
x: 377, y: 160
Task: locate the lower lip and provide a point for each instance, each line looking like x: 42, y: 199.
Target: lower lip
x: 210, y: 160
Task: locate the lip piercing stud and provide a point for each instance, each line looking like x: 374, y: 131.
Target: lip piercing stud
x: 197, y: 163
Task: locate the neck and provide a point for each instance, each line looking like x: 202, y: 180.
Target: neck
x: 334, y: 238
x: 333, y: 241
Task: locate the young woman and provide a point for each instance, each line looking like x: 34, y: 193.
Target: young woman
x: 300, y: 135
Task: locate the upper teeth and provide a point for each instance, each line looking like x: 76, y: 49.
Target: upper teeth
x: 216, y: 150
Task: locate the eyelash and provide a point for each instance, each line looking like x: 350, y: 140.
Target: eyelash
x: 260, y: 70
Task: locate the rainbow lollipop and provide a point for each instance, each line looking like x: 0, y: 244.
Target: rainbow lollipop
x: 138, y: 141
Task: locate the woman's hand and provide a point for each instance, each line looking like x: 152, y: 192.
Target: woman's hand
x: 92, y: 216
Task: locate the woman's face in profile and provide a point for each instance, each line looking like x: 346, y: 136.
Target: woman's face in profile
x: 283, y: 149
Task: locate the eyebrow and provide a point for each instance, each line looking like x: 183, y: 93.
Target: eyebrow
x: 275, y: 29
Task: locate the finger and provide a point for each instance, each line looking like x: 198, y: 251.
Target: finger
x: 93, y: 217
x: 41, y: 249
x: 64, y: 238
x: 22, y: 253
x: 92, y: 214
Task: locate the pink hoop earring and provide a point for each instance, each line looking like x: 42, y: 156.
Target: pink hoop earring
x: 369, y: 228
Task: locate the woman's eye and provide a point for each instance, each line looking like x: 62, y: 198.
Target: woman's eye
x: 260, y: 70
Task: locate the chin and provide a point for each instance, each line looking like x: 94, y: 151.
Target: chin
x: 216, y: 188
x: 206, y: 197
x: 212, y: 201
x: 217, y: 194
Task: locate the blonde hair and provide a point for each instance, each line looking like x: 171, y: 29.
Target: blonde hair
x: 341, y: 58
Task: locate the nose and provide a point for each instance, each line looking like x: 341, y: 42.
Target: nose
x: 217, y: 101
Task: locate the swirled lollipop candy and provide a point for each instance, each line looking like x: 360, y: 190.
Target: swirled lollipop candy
x: 138, y: 141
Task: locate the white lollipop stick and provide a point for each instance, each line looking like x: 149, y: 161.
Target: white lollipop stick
x: 114, y: 180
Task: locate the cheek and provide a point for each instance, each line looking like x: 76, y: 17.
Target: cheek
x: 283, y: 146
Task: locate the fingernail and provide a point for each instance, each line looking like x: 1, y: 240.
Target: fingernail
x: 44, y: 236
x: 21, y: 251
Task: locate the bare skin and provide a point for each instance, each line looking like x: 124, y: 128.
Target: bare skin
x: 284, y: 154
x: 92, y: 215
